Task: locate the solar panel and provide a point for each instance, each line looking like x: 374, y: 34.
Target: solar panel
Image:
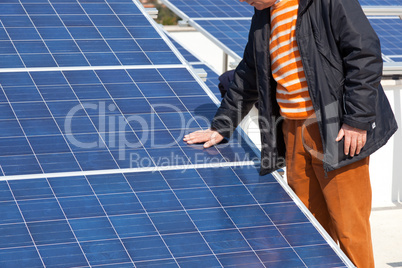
x: 88, y: 33
x: 231, y: 33
x: 215, y: 19
x: 212, y: 80
x: 381, y: 2
x: 94, y: 115
x: 94, y: 171
x: 219, y: 217
x: 213, y: 9
x: 389, y: 30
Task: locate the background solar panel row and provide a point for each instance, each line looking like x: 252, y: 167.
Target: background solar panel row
x: 86, y: 33
x: 381, y: 2
x: 231, y: 33
x: 196, y: 9
x: 389, y: 30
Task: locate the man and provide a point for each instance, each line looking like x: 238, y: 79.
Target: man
x: 314, y: 68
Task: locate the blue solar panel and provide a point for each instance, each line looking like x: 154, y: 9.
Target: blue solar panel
x: 389, y: 31
x: 106, y: 119
x: 216, y: 18
x: 86, y: 33
x: 381, y: 2
x: 396, y: 59
x: 213, y: 9
x: 212, y: 80
x: 231, y: 33
x: 212, y: 217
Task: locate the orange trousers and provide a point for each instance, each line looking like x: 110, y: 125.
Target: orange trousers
x: 340, y: 200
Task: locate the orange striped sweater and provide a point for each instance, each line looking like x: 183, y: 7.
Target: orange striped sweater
x: 292, y: 93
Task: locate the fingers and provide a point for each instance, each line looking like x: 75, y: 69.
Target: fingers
x: 352, y: 146
x: 354, y: 139
x: 361, y: 141
x: 341, y: 133
x: 208, y: 137
x: 196, y: 137
x: 356, y: 145
x: 347, y: 144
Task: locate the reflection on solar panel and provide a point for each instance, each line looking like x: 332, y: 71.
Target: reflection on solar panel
x: 94, y: 169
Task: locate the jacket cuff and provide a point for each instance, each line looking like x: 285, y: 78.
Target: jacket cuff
x: 222, y: 129
x: 360, y: 125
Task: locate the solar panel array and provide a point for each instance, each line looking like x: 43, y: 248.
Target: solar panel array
x: 87, y: 33
x: 216, y: 19
x: 94, y: 103
x: 201, y: 9
x: 220, y: 217
x: 380, y: 2
x: 100, y: 119
x: 231, y: 33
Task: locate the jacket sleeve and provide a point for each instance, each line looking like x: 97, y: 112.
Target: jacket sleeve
x: 242, y: 93
x: 361, y: 53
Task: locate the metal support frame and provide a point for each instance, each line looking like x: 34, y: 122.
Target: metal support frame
x: 202, y: 74
x: 382, y: 10
x: 225, y: 62
x: 152, y: 12
x: 392, y: 68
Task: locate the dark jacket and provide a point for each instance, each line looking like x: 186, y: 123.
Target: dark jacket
x: 342, y: 62
x: 225, y: 80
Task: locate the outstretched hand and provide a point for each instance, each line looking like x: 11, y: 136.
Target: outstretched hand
x: 208, y: 137
x: 355, y: 139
